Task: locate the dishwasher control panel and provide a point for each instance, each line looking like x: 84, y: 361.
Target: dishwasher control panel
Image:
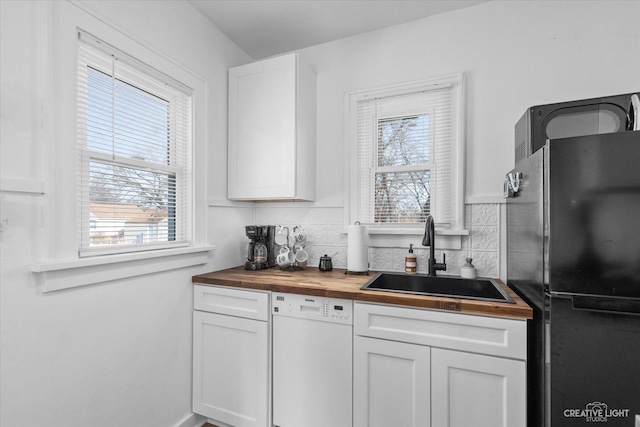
x: 311, y: 307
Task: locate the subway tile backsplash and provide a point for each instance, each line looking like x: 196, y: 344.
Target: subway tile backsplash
x: 326, y: 235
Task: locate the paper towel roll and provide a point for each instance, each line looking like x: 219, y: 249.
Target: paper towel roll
x: 358, y: 248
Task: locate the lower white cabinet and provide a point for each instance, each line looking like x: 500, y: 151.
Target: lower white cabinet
x: 415, y: 367
x: 231, y: 356
x: 392, y: 383
x: 477, y: 390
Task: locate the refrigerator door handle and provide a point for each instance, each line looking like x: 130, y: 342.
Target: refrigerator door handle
x: 634, y: 113
x: 610, y: 305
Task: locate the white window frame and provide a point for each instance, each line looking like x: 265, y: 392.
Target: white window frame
x: 352, y: 172
x: 57, y: 264
x: 159, y: 85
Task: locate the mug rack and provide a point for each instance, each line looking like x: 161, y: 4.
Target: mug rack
x: 298, y: 245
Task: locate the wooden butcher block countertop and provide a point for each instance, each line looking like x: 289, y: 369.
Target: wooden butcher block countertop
x: 336, y: 284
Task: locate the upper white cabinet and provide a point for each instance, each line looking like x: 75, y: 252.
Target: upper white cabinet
x: 272, y: 130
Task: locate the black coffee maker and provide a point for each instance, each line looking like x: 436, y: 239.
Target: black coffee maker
x: 261, y: 248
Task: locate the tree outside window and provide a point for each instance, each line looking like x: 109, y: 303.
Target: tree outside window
x: 402, y: 191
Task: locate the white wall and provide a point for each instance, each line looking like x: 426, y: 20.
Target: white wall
x: 118, y: 353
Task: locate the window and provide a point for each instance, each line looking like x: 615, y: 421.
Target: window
x: 402, y: 169
x: 134, y: 154
x: 407, y: 155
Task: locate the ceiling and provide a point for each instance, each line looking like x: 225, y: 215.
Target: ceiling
x: 265, y: 28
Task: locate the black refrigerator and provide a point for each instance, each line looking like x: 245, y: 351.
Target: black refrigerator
x: 573, y: 253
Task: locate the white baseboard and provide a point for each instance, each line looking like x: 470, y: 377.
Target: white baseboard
x: 192, y: 420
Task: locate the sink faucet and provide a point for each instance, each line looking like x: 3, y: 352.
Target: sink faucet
x: 429, y: 239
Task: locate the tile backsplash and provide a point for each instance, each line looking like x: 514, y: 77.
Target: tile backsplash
x: 326, y: 234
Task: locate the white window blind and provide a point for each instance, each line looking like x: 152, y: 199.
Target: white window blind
x: 134, y: 136
x: 407, y: 155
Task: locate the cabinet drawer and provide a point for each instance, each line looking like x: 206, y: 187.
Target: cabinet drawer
x: 233, y: 302
x: 476, y: 334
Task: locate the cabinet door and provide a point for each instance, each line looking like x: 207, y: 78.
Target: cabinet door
x: 262, y: 129
x: 230, y: 369
x: 475, y: 390
x: 391, y: 384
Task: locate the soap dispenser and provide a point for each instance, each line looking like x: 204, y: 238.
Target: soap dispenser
x: 410, y: 261
x: 468, y: 271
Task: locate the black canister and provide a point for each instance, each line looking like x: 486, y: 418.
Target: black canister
x: 325, y: 263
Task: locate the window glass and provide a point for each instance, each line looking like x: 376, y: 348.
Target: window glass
x: 403, y: 141
x: 124, y: 120
x: 402, y: 197
x: 134, y: 150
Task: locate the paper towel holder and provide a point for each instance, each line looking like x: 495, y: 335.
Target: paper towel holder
x: 362, y: 273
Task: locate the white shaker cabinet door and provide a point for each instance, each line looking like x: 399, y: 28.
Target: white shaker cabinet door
x: 230, y: 369
x: 476, y: 390
x: 391, y: 384
x: 272, y: 131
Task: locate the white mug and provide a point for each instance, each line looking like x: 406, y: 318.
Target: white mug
x: 284, y: 250
x: 285, y: 259
x: 281, y: 235
x: 299, y: 235
x: 302, y: 255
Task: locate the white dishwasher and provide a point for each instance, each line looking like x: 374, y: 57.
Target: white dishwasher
x: 312, y: 361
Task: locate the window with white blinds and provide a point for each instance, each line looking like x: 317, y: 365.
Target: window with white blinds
x: 134, y: 167
x: 408, y: 156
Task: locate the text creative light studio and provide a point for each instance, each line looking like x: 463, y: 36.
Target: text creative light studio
x: 596, y: 412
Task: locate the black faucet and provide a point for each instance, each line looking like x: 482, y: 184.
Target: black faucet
x: 429, y: 239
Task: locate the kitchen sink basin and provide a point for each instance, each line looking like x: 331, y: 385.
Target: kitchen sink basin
x: 454, y: 287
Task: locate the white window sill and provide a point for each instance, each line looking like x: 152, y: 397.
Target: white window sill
x: 59, y: 275
x: 416, y: 231
x: 401, y: 237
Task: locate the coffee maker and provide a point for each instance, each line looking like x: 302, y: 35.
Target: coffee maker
x: 261, y: 248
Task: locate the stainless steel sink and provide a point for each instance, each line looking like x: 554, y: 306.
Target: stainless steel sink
x: 455, y: 287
